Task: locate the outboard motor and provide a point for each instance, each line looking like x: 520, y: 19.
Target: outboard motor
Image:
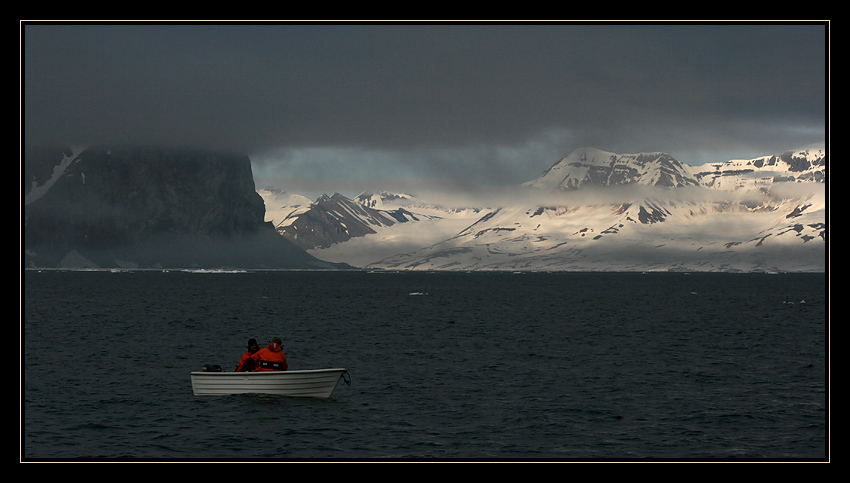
x: 212, y: 368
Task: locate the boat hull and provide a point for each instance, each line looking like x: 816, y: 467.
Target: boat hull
x: 318, y: 383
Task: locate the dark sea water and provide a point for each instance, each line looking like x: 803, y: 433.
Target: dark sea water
x: 443, y: 366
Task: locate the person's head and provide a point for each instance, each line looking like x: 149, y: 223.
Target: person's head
x: 252, y: 345
x: 276, y: 344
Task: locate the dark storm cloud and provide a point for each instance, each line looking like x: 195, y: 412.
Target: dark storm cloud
x: 266, y: 88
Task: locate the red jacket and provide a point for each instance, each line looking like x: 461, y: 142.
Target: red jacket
x: 271, y: 358
x: 246, y: 358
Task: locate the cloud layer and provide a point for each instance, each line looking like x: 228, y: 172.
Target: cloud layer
x: 488, y: 101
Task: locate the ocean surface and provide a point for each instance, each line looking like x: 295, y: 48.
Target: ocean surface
x: 443, y: 366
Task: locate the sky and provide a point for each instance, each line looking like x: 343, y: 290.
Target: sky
x: 349, y: 107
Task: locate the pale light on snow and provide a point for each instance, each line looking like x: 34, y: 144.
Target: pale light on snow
x: 737, y: 217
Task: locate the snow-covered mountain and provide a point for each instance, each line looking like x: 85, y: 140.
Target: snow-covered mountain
x: 802, y: 166
x: 590, y: 166
x: 595, y: 210
x: 364, y: 229
x: 328, y: 221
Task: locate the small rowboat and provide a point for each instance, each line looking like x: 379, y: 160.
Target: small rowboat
x: 307, y: 383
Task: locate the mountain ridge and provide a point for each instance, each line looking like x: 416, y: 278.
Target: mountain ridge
x: 594, y: 210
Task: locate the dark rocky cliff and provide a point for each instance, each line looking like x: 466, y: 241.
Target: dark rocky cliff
x: 138, y: 207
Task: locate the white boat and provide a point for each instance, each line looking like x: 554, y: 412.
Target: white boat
x: 306, y: 383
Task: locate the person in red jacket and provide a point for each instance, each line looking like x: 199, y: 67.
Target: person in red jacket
x: 247, y: 364
x: 271, y: 358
